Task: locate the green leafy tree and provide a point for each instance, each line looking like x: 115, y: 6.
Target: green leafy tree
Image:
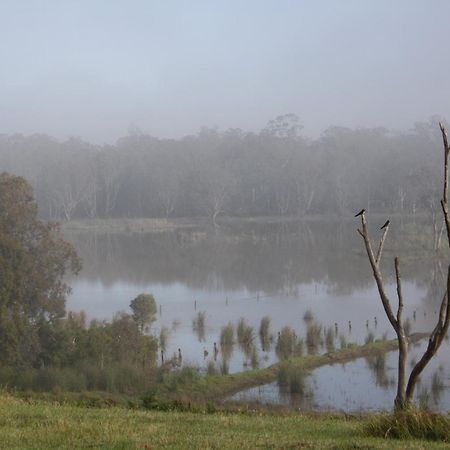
x: 144, y: 310
x: 33, y: 263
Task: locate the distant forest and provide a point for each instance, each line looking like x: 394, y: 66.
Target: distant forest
x: 276, y: 172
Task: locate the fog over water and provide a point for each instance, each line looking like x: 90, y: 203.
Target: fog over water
x: 97, y: 69
x: 280, y: 270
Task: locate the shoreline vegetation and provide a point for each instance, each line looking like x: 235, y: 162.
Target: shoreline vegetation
x: 146, y: 225
x: 218, y: 387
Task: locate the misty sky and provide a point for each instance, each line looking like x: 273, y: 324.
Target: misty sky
x: 95, y: 68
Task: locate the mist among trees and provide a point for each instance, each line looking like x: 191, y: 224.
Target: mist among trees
x: 276, y: 172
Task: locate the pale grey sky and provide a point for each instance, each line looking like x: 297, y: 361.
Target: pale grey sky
x: 93, y: 68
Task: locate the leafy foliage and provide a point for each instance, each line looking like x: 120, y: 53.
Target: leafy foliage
x: 33, y: 263
x: 144, y: 310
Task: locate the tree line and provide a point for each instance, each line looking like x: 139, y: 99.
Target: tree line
x: 276, y: 172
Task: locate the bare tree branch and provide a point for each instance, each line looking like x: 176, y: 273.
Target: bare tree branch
x: 444, y: 201
x: 380, y: 247
x: 399, y: 292
x: 376, y: 271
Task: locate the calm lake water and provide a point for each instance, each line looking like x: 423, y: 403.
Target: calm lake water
x: 281, y: 270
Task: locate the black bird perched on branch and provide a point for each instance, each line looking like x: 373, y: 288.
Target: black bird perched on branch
x: 385, y: 225
x: 360, y: 213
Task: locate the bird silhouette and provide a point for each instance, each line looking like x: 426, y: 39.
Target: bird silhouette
x: 360, y: 213
x: 385, y: 225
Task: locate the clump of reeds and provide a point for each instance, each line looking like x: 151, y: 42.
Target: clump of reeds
x: 313, y: 337
x: 254, y: 360
x: 199, y: 325
x: 288, y: 344
x: 264, y: 333
x: 163, y: 337
x: 411, y: 424
x: 227, y: 335
x: 244, y: 333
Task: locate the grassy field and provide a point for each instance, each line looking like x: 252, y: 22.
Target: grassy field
x: 36, y: 424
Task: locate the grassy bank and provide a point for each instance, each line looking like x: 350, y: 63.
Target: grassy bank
x: 124, y: 225
x: 42, y: 425
x: 214, y: 387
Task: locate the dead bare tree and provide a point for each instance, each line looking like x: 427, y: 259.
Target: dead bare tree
x: 405, y: 391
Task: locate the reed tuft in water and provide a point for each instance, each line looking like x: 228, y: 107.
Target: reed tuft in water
x: 264, y: 333
x: 227, y: 335
x: 244, y: 333
x: 287, y: 344
x: 313, y: 337
x: 199, y: 325
x: 254, y: 360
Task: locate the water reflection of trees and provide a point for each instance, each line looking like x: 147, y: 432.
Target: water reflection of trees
x: 270, y: 257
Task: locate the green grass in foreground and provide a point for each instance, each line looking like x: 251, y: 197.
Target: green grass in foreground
x: 42, y: 425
